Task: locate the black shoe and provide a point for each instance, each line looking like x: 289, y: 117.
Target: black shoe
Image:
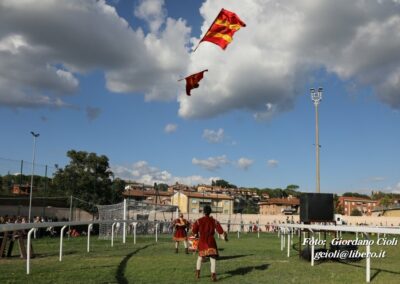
x: 213, y: 277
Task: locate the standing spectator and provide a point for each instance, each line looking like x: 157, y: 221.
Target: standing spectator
x: 36, y: 233
x: 205, y: 228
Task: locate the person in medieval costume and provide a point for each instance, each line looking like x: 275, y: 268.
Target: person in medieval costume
x: 205, y: 229
x: 180, y: 235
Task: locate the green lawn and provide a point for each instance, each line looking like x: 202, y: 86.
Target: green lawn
x: 245, y: 260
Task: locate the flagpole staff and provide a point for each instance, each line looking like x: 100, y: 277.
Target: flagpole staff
x: 197, y: 45
x: 208, y: 30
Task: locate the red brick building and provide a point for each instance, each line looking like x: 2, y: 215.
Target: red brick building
x: 364, y: 205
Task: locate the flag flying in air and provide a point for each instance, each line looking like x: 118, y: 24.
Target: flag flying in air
x: 192, y: 81
x: 223, y: 28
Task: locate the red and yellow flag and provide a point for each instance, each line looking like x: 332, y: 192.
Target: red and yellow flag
x: 192, y: 81
x: 223, y: 28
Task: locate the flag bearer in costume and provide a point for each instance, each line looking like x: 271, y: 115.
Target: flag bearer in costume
x: 205, y: 228
x: 180, y: 234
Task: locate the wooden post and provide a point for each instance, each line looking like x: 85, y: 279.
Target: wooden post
x: 3, y: 246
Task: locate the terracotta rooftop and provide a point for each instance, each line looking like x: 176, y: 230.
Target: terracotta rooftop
x: 281, y: 201
x: 139, y: 193
x: 354, y: 198
x: 207, y: 195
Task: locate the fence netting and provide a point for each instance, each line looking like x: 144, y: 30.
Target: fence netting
x: 146, y: 215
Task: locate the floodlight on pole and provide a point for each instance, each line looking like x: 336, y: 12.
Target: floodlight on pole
x: 316, y: 97
x: 35, y: 135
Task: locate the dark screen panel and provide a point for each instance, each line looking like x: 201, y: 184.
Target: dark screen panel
x: 316, y: 207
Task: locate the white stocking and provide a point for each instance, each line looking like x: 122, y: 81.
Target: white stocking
x: 185, y: 244
x: 198, y: 263
x: 213, y: 262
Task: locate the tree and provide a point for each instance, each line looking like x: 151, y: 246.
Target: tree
x: 355, y: 194
x: 163, y: 187
x: 385, y: 201
x: 356, y: 212
x: 292, y: 190
x: 376, y: 195
x: 118, y: 187
x: 223, y: 183
x: 278, y: 193
x: 339, y: 210
x: 250, y: 209
x: 292, y: 187
x: 88, y: 177
x: 337, y: 207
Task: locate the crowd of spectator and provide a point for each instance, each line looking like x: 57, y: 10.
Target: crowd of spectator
x: 40, y: 232
x: 8, y: 219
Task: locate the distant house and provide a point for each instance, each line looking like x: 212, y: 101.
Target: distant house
x: 24, y: 189
x: 364, y: 205
x: 204, y: 188
x: 211, y: 189
x: 152, y: 196
x: 137, y: 186
x: 280, y: 206
x: 193, y: 202
x: 179, y: 187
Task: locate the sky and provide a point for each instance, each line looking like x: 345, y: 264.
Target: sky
x: 102, y: 76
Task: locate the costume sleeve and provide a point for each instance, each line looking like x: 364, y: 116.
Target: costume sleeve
x: 195, y: 228
x: 218, y: 227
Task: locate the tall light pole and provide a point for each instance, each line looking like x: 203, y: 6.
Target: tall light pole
x: 35, y: 135
x: 316, y: 97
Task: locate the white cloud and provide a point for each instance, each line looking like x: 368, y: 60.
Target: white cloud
x: 244, y: 163
x: 152, y: 11
x: 284, y: 44
x: 170, y: 128
x: 213, y: 136
x: 268, y: 113
x: 394, y: 189
x: 68, y: 78
x: 45, y: 65
x: 211, y: 163
x: 142, y: 172
x: 397, y: 188
x: 272, y: 163
x: 377, y: 179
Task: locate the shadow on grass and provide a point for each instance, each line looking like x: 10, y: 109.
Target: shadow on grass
x: 120, y: 275
x: 50, y: 254
x: 244, y: 270
x: 233, y: 256
x: 378, y: 270
x: 296, y: 247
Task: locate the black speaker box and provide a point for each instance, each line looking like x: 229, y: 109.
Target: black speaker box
x: 316, y: 207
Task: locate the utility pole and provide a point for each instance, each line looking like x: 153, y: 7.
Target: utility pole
x: 316, y: 97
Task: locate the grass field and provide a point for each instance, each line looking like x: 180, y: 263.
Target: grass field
x: 245, y: 260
